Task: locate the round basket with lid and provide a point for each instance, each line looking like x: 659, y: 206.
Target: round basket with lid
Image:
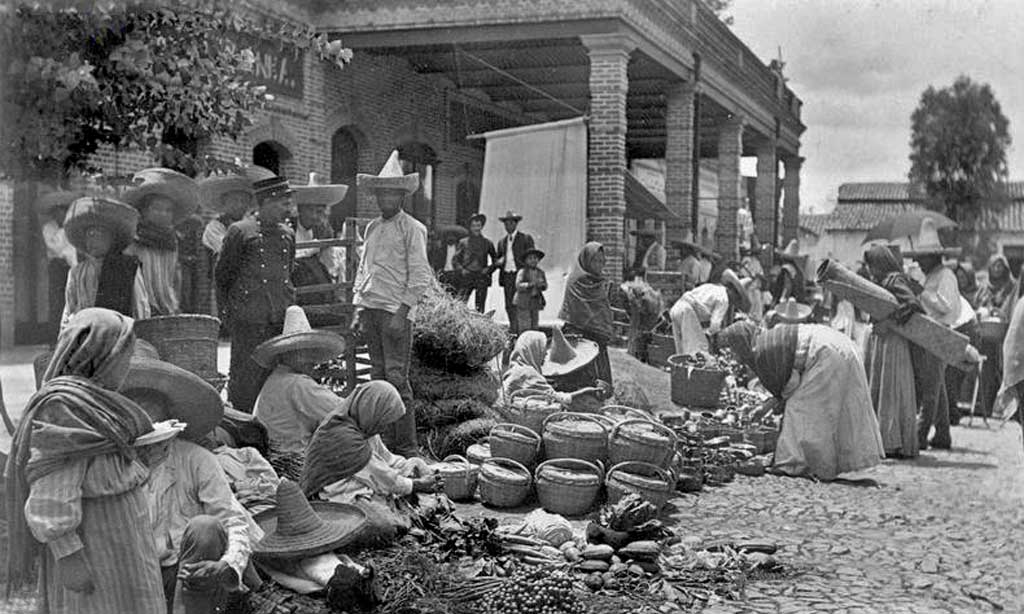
x: 515, y: 441
x: 641, y: 440
x: 651, y: 482
x: 529, y: 407
x: 503, y: 482
x: 460, y: 477
x: 568, y: 486
x: 572, y: 435
x: 480, y: 451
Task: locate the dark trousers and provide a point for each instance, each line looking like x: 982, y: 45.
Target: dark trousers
x: 57, y: 278
x: 930, y: 381
x: 527, y: 319
x: 204, y: 540
x: 246, y: 377
x: 477, y: 285
x: 389, y: 360
x: 960, y: 384
x: 991, y: 375
x: 508, y: 283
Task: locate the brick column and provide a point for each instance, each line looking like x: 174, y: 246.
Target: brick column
x: 606, y: 159
x: 730, y: 186
x: 791, y: 199
x: 6, y: 265
x: 765, y: 192
x: 679, y: 157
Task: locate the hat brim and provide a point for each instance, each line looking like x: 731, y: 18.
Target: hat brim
x: 741, y: 291
x: 933, y: 251
x: 162, y: 431
x: 511, y: 218
x: 678, y: 244
x: 342, y: 525
x: 479, y: 217
x: 212, y: 189
x: 534, y: 252
x: 120, y: 219
x: 192, y: 400
x: 185, y: 198
x: 586, y: 352
x: 318, y: 195
x: 329, y: 345
x: 406, y: 183
x: 803, y: 312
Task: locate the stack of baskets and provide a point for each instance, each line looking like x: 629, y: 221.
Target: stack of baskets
x: 693, y: 386
x: 188, y: 341
x: 572, y: 435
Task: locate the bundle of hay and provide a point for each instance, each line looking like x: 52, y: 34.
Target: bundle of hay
x: 432, y: 384
x: 448, y: 334
x: 445, y: 441
x: 446, y: 412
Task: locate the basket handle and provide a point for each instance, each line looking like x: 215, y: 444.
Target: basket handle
x: 661, y: 473
x: 462, y: 459
x: 664, y: 430
x: 600, y: 421
x: 509, y: 463
x: 520, y: 429
x: 571, y: 462
x: 533, y: 392
x: 629, y: 411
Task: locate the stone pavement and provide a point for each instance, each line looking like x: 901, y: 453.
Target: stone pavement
x: 942, y: 533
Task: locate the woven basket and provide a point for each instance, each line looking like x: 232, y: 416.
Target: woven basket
x: 460, y: 477
x: 695, y: 387
x: 529, y: 408
x: 735, y: 435
x: 504, y: 482
x: 621, y: 413
x: 188, y: 341
x: 763, y: 438
x: 568, y: 486
x: 641, y: 440
x: 652, y: 483
x: 571, y: 435
x: 516, y: 442
x: 479, y: 451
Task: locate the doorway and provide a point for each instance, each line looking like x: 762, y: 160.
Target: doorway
x: 344, y: 166
x: 271, y: 155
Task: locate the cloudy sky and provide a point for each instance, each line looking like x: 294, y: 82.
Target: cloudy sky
x: 860, y: 67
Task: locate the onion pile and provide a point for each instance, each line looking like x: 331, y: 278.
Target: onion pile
x: 537, y: 591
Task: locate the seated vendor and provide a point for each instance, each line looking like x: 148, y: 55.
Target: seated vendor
x: 525, y: 366
x: 291, y: 403
x: 203, y: 535
x: 705, y: 310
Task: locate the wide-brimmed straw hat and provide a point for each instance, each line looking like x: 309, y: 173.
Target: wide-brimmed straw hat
x: 117, y: 217
x: 179, y: 188
x: 297, y: 335
x: 298, y: 530
x: 162, y: 431
x: 564, y: 357
x: 731, y: 280
x: 391, y: 177
x: 187, y: 396
x: 318, y: 192
x: 927, y: 242
x: 214, y: 187
x: 258, y: 173
x: 792, y: 312
x: 50, y: 200
x: 510, y: 215
x: 451, y: 230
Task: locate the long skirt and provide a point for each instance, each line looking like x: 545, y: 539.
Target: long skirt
x: 119, y: 549
x: 687, y: 330
x: 891, y: 376
x: 829, y: 426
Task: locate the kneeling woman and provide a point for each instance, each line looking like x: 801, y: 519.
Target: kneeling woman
x: 346, y: 461
x: 828, y: 424
x: 525, y: 370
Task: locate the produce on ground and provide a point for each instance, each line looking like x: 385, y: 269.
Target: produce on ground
x: 535, y: 591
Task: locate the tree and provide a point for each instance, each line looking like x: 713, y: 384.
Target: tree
x: 159, y: 77
x: 719, y: 7
x: 959, y: 138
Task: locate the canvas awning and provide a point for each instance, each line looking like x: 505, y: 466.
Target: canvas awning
x: 641, y: 204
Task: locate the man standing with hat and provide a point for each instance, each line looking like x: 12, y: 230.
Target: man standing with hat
x: 317, y: 266
x: 511, y: 250
x: 254, y: 286
x: 52, y: 208
x: 475, y: 260
x: 393, y: 275
x: 230, y: 196
x: 651, y: 255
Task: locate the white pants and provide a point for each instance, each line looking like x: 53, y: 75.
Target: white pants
x: 687, y: 331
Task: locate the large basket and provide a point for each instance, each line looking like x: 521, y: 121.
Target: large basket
x: 460, y: 477
x: 694, y: 387
x: 572, y: 435
x: 516, y: 442
x: 479, y: 451
x: 641, y: 440
x: 763, y: 438
x: 568, y: 486
x: 652, y: 483
x: 504, y: 482
x: 529, y: 408
x: 188, y: 341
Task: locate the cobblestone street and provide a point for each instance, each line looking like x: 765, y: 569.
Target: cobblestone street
x: 939, y: 534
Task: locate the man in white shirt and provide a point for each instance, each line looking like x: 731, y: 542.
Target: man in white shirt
x: 511, y: 250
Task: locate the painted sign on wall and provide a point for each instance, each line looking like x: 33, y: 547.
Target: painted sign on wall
x: 279, y: 66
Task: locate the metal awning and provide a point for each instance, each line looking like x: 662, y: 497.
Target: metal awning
x: 641, y: 204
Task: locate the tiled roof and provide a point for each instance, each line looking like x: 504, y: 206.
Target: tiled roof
x: 848, y: 217
x: 875, y: 191
x: 814, y: 223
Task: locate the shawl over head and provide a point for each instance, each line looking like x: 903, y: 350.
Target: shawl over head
x: 586, y: 304
x: 525, y: 364
x: 340, y: 448
x: 998, y: 293
x: 81, y: 418
x: 770, y: 354
x: 888, y: 273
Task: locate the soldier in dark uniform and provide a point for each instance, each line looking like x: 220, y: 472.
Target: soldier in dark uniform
x: 254, y: 286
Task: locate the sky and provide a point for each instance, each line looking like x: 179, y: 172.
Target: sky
x: 860, y: 66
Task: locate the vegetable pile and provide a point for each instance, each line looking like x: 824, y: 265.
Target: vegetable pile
x: 535, y: 591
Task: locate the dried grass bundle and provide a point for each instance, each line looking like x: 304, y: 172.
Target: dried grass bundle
x: 448, y: 334
x: 444, y: 441
x: 433, y: 414
x: 433, y: 384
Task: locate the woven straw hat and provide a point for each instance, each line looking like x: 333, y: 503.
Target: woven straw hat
x: 319, y: 192
x: 792, y: 312
x: 212, y: 188
x: 390, y: 177
x: 162, y: 431
x: 187, y: 396
x: 298, y: 335
x: 730, y: 279
x: 164, y: 182
x: 927, y: 242
x: 564, y: 357
x: 117, y: 217
x: 302, y: 530
x: 510, y: 215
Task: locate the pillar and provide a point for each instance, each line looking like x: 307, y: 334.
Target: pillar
x: 765, y: 191
x: 679, y: 154
x: 791, y: 199
x: 606, y: 159
x: 730, y: 186
x: 7, y: 311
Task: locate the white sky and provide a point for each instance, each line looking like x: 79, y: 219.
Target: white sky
x: 860, y: 67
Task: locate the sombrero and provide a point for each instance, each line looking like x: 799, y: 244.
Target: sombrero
x: 445, y: 230
x: 318, y: 192
x: 164, y: 182
x: 214, y: 187
x: 162, y: 431
x: 390, y: 177
x: 927, y: 242
x: 792, y: 252
x: 564, y: 357
x: 297, y: 335
x: 792, y: 312
x: 187, y: 396
x: 258, y: 173
x: 534, y: 250
x: 49, y: 201
x: 296, y: 529
x: 730, y: 279
x: 510, y: 215
x: 116, y: 216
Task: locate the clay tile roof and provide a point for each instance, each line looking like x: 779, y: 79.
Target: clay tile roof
x: 814, y: 223
x: 874, y: 191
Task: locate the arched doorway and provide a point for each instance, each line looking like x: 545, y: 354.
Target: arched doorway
x: 420, y: 158
x: 271, y: 155
x: 467, y: 201
x: 344, y: 166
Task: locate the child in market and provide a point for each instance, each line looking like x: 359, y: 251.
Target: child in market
x: 530, y: 286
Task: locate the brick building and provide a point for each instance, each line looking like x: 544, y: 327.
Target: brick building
x: 658, y: 79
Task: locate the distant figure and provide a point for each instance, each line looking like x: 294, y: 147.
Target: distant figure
x: 511, y: 250
x: 476, y: 259
x: 530, y: 287
x: 651, y: 255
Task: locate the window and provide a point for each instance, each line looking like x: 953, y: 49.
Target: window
x: 270, y: 155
